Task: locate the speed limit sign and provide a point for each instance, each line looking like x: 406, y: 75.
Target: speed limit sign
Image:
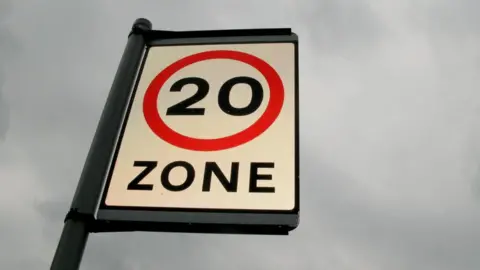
x: 212, y: 127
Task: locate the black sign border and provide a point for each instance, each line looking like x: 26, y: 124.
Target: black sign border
x: 279, y: 222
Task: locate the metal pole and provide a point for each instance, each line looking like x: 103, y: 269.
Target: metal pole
x: 73, y: 239
x: 71, y: 246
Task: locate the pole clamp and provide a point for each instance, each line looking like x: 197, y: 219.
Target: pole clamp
x: 74, y: 215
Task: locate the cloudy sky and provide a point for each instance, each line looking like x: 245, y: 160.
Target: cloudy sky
x: 390, y: 132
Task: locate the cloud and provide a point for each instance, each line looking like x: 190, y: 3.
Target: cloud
x: 389, y: 133
x: 4, y: 117
x: 7, y: 49
x: 340, y: 27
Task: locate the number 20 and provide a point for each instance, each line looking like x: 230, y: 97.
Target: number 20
x: 183, y: 107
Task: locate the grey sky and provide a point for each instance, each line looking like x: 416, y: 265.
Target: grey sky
x: 389, y: 132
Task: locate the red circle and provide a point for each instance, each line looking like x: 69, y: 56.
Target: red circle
x: 158, y: 126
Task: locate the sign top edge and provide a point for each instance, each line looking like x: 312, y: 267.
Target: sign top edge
x: 159, y: 38
x: 164, y: 34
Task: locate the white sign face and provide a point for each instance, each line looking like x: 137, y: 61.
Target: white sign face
x: 210, y: 127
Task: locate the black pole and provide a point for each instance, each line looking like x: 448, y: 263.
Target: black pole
x: 73, y: 239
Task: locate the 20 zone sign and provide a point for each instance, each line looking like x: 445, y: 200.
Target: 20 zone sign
x: 210, y: 127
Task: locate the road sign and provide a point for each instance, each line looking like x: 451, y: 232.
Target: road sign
x: 210, y: 136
